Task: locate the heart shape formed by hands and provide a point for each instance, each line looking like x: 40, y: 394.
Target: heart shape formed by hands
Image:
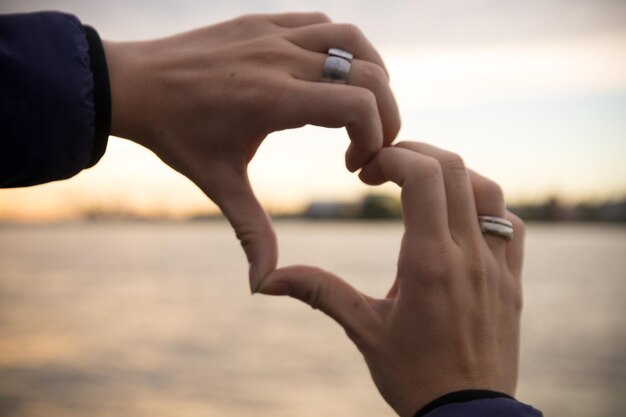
x: 451, y: 318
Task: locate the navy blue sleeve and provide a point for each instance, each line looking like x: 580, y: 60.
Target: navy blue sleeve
x: 493, y: 407
x: 477, y: 403
x: 49, y: 129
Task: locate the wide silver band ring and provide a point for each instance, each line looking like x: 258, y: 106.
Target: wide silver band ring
x: 337, y: 66
x: 497, y: 226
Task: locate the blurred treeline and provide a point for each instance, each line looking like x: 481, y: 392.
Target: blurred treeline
x: 553, y: 210
x: 379, y: 206
x: 388, y: 207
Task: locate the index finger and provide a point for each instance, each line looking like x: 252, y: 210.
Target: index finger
x: 337, y: 105
x: 424, y: 202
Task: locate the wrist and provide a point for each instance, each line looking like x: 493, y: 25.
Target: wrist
x: 128, y: 86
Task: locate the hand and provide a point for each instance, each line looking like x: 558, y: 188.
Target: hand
x: 203, y: 101
x: 451, y: 319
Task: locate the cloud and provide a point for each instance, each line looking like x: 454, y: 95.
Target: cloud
x: 394, y: 23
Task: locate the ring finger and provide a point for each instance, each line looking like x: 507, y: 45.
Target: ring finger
x: 489, y: 202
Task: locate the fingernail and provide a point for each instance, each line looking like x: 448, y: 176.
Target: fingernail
x: 254, y: 284
x: 274, y: 288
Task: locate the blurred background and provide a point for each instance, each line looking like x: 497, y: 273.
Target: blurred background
x: 122, y: 292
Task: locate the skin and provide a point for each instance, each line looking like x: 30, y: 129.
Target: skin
x: 203, y: 101
x: 451, y: 319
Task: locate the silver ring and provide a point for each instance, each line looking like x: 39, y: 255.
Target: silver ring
x: 494, y: 219
x: 496, y: 226
x: 341, y: 54
x: 337, y: 66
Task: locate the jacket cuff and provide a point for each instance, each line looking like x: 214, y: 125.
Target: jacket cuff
x: 101, y: 95
x: 460, y: 397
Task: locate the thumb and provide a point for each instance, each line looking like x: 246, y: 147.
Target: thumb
x: 251, y: 223
x: 322, y: 290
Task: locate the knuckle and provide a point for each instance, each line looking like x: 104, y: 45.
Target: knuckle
x: 316, y: 295
x: 351, y: 33
x: 476, y: 266
x: 496, y: 192
x: 440, y: 272
x: 491, y: 190
x: 320, y: 17
x: 437, y: 268
x: 252, y: 22
x: 269, y: 52
x: 386, y: 159
x: 246, y: 19
x: 426, y: 168
x: 453, y: 161
x: 275, y: 54
x: 373, y: 74
x: 246, y: 235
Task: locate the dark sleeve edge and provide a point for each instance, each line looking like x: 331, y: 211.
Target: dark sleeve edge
x: 101, y: 95
x: 460, y: 397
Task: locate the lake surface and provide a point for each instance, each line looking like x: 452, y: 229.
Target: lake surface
x: 143, y: 319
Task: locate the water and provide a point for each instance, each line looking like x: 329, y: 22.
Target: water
x: 156, y: 320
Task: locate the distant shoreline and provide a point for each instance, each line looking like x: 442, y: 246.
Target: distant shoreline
x: 369, y: 208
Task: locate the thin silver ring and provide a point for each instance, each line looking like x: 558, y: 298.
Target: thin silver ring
x: 494, y: 219
x: 497, y: 226
x: 341, y: 54
x: 337, y: 66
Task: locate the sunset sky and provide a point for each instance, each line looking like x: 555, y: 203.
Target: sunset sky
x: 532, y: 94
